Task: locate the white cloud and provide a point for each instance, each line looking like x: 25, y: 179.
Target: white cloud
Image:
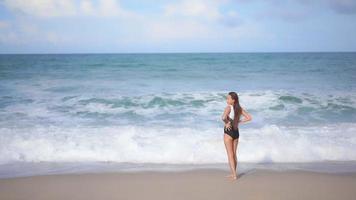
x: 183, y: 20
x: 65, y: 8
x: 55, y: 38
x: 42, y: 8
x: 208, y: 11
x: 176, y: 30
x: 105, y: 8
x: 231, y: 19
x: 194, y: 8
x: 86, y: 6
x: 343, y: 6
x: 3, y: 24
x: 171, y: 32
x: 24, y: 32
x: 338, y: 6
x: 292, y: 16
x: 185, y: 23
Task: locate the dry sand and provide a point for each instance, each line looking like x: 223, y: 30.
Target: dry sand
x: 195, y: 184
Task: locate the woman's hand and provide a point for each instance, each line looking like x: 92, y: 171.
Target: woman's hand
x: 228, y: 125
x: 247, y: 117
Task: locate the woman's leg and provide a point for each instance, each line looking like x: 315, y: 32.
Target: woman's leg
x: 236, y: 142
x: 230, y: 153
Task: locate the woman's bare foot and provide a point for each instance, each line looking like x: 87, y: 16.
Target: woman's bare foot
x: 229, y: 176
x: 233, y: 177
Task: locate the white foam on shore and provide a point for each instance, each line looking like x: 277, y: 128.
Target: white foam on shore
x: 160, y: 144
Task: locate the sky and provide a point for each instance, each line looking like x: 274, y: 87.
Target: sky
x: 133, y: 26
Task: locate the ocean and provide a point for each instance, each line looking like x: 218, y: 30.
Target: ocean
x: 136, y: 110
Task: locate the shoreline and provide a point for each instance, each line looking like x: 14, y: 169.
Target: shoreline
x: 26, y: 169
x: 190, y: 184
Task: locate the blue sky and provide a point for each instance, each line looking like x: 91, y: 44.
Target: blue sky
x: 120, y: 26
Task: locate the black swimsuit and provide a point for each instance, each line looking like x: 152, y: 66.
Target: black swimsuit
x: 234, y: 134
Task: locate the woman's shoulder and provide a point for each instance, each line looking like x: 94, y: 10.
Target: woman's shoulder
x: 228, y: 107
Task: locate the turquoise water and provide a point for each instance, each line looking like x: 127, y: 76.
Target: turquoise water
x: 166, y: 108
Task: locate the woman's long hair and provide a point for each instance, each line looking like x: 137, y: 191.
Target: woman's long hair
x: 237, y: 109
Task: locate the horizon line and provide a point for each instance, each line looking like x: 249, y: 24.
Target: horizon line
x: 192, y: 52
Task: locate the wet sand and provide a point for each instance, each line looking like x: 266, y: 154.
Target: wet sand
x: 194, y: 184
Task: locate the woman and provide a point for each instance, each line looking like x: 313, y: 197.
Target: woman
x: 231, y: 117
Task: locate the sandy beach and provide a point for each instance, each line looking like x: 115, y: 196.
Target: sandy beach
x: 130, y: 100
x: 192, y: 184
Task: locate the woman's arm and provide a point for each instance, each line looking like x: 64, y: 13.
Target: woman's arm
x: 247, y: 116
x: 226, y: 113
